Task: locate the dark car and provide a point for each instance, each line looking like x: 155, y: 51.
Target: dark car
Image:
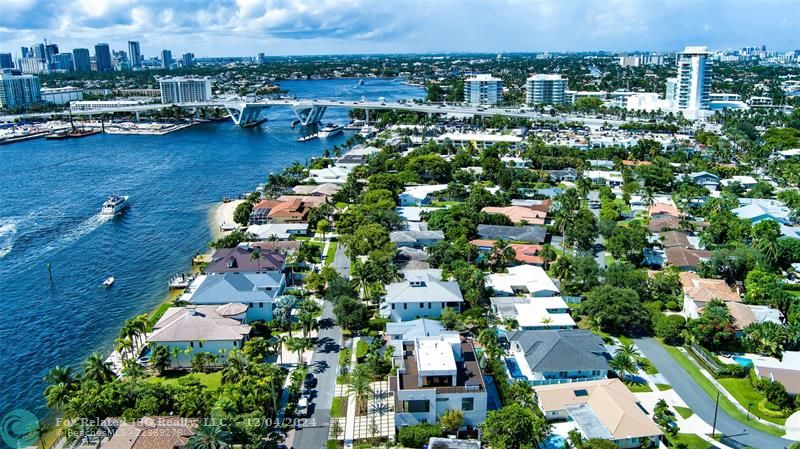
x: 310, y: 381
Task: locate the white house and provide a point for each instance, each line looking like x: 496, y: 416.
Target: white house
x: 610, y: 178
x: 256, y: 290
x: 420, y: 195
x: 436, y: 374
x: 745, y: 181
x: 283, y: 231
x: 534, y: 313
x: 522, y: 279
x: 421, y: 294
x: 330, y: 175
x: 186, y: 331
x: 757, y: 209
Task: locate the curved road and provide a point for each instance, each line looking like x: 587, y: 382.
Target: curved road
x: 737, y: 435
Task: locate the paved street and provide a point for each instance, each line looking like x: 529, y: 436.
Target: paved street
x: 325, y: 366
x: 737, y: 435
x: 341, y: 262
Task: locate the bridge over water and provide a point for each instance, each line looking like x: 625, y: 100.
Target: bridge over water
x: 308, y: 112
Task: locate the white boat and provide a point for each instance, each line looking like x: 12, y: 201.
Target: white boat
x: 331, y: 129
x: 367, y: 131
x: 108, y: 282
x: 114, y: 205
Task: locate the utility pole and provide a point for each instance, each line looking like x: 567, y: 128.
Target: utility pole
x: 716, y: 409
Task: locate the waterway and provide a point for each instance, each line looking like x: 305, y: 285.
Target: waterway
x: 50, y: 195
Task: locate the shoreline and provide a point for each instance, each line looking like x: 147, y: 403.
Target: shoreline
x: 221, y: 215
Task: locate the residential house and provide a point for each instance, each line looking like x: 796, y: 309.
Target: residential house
x: 409, y: 330
x: 420, y: 195
x: 703, y: 178
x: 534, y: 313
x: 756, y: 210
x: 256, y: 290
x: 686, y: 259
x: 786, y: 370
x: 191, y: 330
x: 416, y: 239
x: 529, y: 234
x: 535, y: 215
x: 664, y: 223
x: 748, y: 182
x: 601, y: 163
x: 603, y: 409
x: 480, y: 140
x: 245, y: 259
x: 663, y: 209
x: 522, y: 280
x: 281, y: 231
x: 151, y: 432
x: 422, y: 293
x: 330, y: 175
x: 563, y: 175
x: 291, y: 210
x: 452, y: 443
x: 411, y: 258
x: 523, y: 253
x: 436, y: 374
x: 747, y: 314
x: 697, y: 292
x: 611, y: 179
x: 356, y: 156
x: 324, y: 190
x: 544, y: 357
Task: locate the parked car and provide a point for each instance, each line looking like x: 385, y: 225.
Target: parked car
x: 310, y: 381
x: 302, y: 407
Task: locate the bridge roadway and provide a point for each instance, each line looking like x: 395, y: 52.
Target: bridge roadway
x: 311, y: 111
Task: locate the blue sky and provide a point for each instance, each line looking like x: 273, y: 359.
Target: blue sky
x: 286, y: 27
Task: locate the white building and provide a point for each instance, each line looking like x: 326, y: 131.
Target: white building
x: 694, y: 80
x: 523, y: 279
x: 101, y: 105
x: 62, y: 95
x: 19, y: 90
x: 436, y: 374
x: 184, y: 89
x: 571, y: 96
x: 534, y: 313
x: 422, y: 294
x: 480, y: 140
x: 545, y: 89
x: 483, y: 89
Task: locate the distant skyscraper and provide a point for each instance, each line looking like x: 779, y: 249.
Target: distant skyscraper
x: 694, y: 79
x: 262, y: 59
x: 166, y: 59
x: 545, y: 89
x: 6, y: 61
x: 672, y: 90
x: 184, y: 90
x: 19, y: 90
x: 81, y: 60
x: 50, y: 50
x: 134, y: 54
x: 39, y: 52
x: 187, y: 60
x: 102, y: 57
x: 25, y: 51
x: 483, y: 89
x: 62, y: 62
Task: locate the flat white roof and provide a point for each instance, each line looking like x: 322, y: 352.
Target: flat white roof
x: 481, y: 137
x: 533, y: 315
x: 435, y: 356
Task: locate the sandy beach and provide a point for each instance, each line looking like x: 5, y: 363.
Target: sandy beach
x: 220, y: 215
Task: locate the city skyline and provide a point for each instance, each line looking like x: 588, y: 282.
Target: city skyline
x: 302, y: 27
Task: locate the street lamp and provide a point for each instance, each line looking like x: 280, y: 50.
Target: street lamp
x: 749, y: 405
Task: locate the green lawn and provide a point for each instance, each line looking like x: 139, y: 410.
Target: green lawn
x: 746, y: 395
x: 361, y: 349
x: 685, y: 412
x: 341, y: 205
x: 443, y: 203
x: 691, y: 441
x: 210, y: 380
x: 638, y: 388
x: 663, y: 387
x: 336, y: 405
x: 331, y: 253
x: 646, y: 366
x: 711, y: 391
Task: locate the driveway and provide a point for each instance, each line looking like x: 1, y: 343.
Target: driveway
x: 325, y: 366
x: 737, y: 435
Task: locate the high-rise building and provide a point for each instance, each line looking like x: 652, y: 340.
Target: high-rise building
x: 50, y: 50
x: 262, y: 58
x: 135, y: 54
x: 62, y: 62
x: 694, y: 79
x: 187, y: 60
x: 39, y: 52
x: 19, y: 90
x: 184, y: 89
x: 102, y: 57
x: 166, y: 59
x: 545, y: 89
x: 483, y: 89
x: 672, y: 90
x: 25, y: 51
x: 81, y: 60
x: 6, y: 61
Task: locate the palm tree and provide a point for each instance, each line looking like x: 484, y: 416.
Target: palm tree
x: 548, y: 254
x: 584, y: 186
x: 562, y: 269
x: 359, y: 385
x: 488, y: 340
x: 502, y: 255
x: 61, y: 383
x: 623, y: 365
x: 236, y: 369
x: 273, y: 239
x: 209, y: 437
x: 160, y: 358
x: 298, y: 345
x: 283, y: 311
x: 255, y: 256
x: 124, y: 346
x: 95, y: 368
x: 277, y: 346
x: 629, y: 350
x: 649, y: 198
x: 361, y: 276
x: 308, y: 319
x: 37, y: 431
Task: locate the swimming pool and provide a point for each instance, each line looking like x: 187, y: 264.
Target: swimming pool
x: 744, y: 361
x: 513, y: 369
x: 554, y: 442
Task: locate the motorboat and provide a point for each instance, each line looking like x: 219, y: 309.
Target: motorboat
x: 331, y: 129
x: 114, y: 205
x: 108, y: 282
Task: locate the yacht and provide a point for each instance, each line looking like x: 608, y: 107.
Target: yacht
x: 114, y: 205
x: 331, y: 129
x: 367, y: 131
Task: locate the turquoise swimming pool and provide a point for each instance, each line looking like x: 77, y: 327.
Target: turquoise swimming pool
x: 554, y: 442
x: 744, y: 361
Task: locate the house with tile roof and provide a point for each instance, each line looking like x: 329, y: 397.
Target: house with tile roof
x: 245, y: 259
x: 528, y: 234
x: 421, y: 294
x: 697, y: 292
x: 523, y: 253
x: 519, y: 214
x: 603, y: 409
x: 544, y: 357
x: 416, y: 239
x: 151, y: 432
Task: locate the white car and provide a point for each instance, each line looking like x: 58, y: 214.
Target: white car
x: 302, y: 407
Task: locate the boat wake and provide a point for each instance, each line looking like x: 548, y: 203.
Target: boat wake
x: 74, y: 234
x: 8, y: 232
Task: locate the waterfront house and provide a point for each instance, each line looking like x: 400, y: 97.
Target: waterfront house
x: 324, y: 190
x: 281, y: 231
x: 416, y: 239
x: 256, y: 290
x: 436, y: 374
x: 543, y: 357
x: 532, y: 313
x: 422, y: 293
x: 290, y: 210
x: 150, y: 432
x: 358, y: 155
x: 528, y: 234
x: 697, y: 292
x: 526, y: 280
x: 329, y: 175
x: 245, y: 259
x: 603, y: 409
x: 191, y: 330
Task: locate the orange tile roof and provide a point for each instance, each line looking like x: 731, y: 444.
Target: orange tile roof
x: 518, y: 214
x: 664, y: 209
x: 704, y: 290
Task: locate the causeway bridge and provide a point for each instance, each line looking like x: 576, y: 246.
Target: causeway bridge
x: 308, y: 112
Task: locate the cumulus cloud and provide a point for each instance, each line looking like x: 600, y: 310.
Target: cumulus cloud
x: 229, y: 27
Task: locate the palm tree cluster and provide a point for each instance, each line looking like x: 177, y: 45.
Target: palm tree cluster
x: 369, y: 277
x: 625, y: 361
x: 131, y: 337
